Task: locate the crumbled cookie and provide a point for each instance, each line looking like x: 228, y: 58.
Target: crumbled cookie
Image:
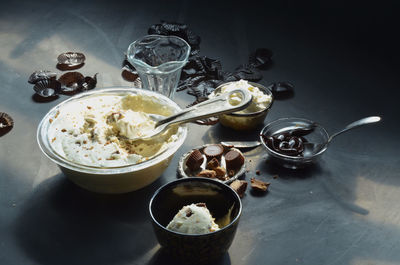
x: 207, y: 174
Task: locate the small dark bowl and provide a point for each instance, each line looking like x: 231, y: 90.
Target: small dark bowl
x: 221, y: 200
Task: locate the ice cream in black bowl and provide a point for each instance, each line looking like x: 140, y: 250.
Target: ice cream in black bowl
x: 195, y: 219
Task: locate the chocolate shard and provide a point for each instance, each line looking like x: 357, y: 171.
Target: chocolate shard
x: 71, y: 58
x: 70, y: 82
x: 47, y: 88
x: 259, y: 185
x: 88, y: 83
x: 41, y: 75
x: 239, y: 186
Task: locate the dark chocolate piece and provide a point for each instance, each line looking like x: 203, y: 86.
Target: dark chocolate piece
x: 6, y: 123
x: 212, y: 164
x: 221, y: 173
x: 234, y: 160
x: 87, y: 83
x: 194, y: 160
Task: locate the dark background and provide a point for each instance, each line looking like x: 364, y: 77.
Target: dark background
x: 342, y: 57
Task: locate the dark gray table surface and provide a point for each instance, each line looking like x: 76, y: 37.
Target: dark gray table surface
x: 342, y: 58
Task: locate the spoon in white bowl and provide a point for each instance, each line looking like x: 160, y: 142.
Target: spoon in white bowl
x: 209, y: 108
x: 311, y: 149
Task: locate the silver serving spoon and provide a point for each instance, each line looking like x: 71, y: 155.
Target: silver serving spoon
x: 209, y: 108
x: 311, y: 149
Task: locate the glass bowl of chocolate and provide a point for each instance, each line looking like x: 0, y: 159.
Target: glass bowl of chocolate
x: 292, y: 142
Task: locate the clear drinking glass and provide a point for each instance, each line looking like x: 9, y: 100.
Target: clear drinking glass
x: 159, y: 60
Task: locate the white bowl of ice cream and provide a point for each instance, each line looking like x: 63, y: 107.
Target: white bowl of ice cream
x: 251, y: 116
x: 88, y: 137
x: 195, y: 219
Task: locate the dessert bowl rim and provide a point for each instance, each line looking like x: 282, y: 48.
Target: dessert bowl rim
x: 118, y: 90
x: 191, y: 179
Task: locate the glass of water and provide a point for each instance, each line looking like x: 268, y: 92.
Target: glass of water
x: 159, y: 60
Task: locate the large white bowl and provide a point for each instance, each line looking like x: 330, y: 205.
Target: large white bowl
x: 111, y: 179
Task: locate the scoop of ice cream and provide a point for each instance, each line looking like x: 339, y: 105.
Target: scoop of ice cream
x: 259, y: 102
x: 193, y: 219
x: 132, y: 124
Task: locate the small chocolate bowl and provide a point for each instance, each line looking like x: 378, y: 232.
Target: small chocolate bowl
x: 224, y: 205
x: 244, y: 121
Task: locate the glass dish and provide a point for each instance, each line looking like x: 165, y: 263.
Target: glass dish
x: 118, y: 179
x: 159, y: 61
x: 318, y: 136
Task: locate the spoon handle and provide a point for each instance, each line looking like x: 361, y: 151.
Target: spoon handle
x: 356, y: 124
x: 211, y: 107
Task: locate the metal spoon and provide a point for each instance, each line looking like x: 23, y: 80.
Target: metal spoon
x: 209, y: 108
x: 311, y: 149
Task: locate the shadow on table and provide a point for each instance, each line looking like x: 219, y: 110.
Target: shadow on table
x: 161, y: 257
x: 64, y: 224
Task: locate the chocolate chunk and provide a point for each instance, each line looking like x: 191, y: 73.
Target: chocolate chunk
x: 259, y: 185
x: 212, y: 164
x: 41, y: 75
x: 189, y: 212
x: 194, y: 160
x: 221, y: 173
x: 207, y: 174
x: 201, y: 204
x: 239, y: 186
x: 213, y: 151
x: 234, y: 160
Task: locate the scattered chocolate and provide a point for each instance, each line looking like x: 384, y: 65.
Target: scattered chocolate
x: 239, y: 186
x: 194, y: 160
x: 188, y: 212
x: 180, y: 30
x: 281, y: 90
x: 67, y: 67
x: 212, y: 164
x: 70, y: 82
x: 259, y: 185
x: 47, y: 88
x: 258, y: 172
x: 275, y: 176
x: 201, y: 204
x: 71, y: 58
x: 207, y: 174
x: 87, y: 83
x: 129, y: 75
x: 6, y: 123
x: 213, y: 151
x: 234, y: 160
x: 41, y: 75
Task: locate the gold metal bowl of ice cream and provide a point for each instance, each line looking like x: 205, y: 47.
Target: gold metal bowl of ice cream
x: 254, y: 114
x: 89, y: 137
x: 195, y: 219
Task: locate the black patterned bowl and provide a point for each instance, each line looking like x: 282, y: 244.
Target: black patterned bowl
x: 223, y: 203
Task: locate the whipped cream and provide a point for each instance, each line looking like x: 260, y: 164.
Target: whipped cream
x: 95, y: 130
x: 259, y: 102
x: 193, y: 219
